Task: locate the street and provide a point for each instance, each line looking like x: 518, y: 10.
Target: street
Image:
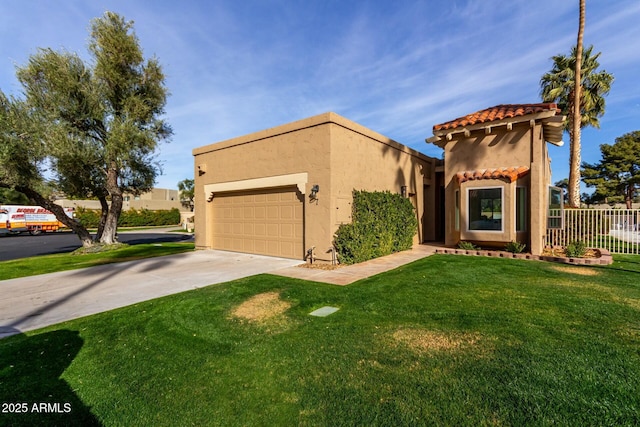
x: 25, y: 245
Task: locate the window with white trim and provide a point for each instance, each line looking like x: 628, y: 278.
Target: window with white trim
x: 521, y: 209
x: 485, y: 208
x: 457, y: 214
x: 555, y: 214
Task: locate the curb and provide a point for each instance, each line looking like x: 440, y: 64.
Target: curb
x: 604, y: 257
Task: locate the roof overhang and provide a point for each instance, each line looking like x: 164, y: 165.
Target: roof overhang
x: 552, y: 124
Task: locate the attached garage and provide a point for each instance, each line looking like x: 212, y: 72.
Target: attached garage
x: 264, y: 222
x: 285, y: 191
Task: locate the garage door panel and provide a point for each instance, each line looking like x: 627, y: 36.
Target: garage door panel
x: 273, y: 230
x: 286, y: 231
x: 286, y: 212
x: 260, y: 230
x: 273, y: 246
x: 267, y: 222
x: 273, y: 212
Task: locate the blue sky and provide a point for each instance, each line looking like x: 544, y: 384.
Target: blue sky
x: 396, y: 67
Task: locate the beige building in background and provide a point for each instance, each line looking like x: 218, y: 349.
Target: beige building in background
x: 154, y: 200
x: 284, y: 191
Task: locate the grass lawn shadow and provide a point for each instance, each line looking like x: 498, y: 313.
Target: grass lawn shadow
x: 32, y: 391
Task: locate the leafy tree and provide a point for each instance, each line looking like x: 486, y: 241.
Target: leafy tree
x: 564, y: 184
x: 98, y: 123
x: 186, y: 188
x: 558, y: 85
x: 616, y: 177
x: 23, y: 157
x: 12, y: 197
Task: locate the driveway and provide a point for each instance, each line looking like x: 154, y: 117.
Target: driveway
x: 33, y: 302
x: 24, y: 245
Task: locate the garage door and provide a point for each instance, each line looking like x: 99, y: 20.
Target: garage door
x: 265, y: 222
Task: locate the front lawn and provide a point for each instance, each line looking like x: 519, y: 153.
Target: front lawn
x: 448, y: 340
x: 60, y: 262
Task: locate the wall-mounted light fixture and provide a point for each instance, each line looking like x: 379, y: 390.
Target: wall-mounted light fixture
x: 314, y: 192
x: 403, y: 191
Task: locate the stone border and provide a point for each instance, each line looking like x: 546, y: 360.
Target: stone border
x: 604, y: 257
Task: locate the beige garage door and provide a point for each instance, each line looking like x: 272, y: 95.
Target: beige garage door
x: 265, y: 222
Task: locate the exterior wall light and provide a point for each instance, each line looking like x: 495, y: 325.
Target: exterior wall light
x: 314, y: 192
x: 403, y: 191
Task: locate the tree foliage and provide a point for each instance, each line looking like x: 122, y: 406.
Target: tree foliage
x: 616, y: 177
x: 96, y: 125
x: 558, y: 85
x: 187, y: 193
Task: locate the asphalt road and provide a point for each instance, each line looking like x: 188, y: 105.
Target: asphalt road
x: 25, y: 245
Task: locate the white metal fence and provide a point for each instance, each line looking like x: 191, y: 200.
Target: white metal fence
x: 617, y: 230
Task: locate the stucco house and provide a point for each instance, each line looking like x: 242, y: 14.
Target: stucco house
x: 284, y: 191
x: 497, y: 174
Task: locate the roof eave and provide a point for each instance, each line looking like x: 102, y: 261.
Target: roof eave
x: 549, y: 117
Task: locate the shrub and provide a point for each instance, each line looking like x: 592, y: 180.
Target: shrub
x: 383, y: 223
x: 131, y: 218
x: 576, y: 249
x: 467, y: 246
x: 515, y: 247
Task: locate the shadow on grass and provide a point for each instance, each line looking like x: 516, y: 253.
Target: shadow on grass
x: 30, y: 371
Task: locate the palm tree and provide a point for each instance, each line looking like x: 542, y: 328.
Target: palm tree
x: 576, y: 145
x: 558, y: 85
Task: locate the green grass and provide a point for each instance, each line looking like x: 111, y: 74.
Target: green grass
x: 613, y: 244
x: 448, y: 340
x: 51, y: 263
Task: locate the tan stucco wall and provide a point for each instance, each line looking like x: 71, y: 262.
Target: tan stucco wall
x: 364, y: 160
x: 522, y: 146
x: 330, y: 151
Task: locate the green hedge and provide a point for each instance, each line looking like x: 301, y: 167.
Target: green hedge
x: 131, y: 218
x: 383, y: 223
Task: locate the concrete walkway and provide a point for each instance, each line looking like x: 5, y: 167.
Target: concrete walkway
x: 352, y: 273
x: 33, y: 302
x: 37, y: 301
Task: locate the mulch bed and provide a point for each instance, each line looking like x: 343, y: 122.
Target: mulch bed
x: 598, y: 256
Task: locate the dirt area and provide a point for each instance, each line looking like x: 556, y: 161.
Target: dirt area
x: 261, y: 308
x: 421, y: 340
x: 320, y: 266
x: 560, y: 252
x: 582, y: 271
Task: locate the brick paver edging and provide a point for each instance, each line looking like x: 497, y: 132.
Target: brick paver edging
x: 604, y: 257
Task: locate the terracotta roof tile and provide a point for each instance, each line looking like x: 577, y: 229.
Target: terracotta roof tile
x: 499, y: 112
x: 511, y: 174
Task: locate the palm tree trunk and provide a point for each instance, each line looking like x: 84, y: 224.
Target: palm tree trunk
x: 575, y: 145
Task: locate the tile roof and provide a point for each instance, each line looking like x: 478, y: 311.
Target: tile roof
x: 511, y: 174
x: 497, y: 113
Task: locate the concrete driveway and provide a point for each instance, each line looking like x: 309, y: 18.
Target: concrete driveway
x: 37, y: 301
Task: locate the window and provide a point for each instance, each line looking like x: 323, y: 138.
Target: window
x: 457, y: 218
x: 521, y: 209
x: 556, y: 208
x: 485, y: 208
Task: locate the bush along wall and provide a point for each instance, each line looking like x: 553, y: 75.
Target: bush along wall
x: 132, y: 217
x: 382, y: 223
